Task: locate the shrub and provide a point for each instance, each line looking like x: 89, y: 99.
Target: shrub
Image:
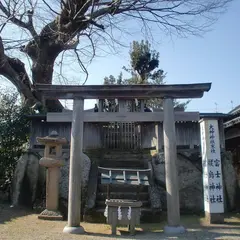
x: 14, y: 132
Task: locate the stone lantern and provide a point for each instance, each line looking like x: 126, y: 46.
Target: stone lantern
x: 52, y: 161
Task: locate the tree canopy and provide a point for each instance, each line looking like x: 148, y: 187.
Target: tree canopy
x: 144, y: 63
x: 36, y: 36
x: 143, y: 69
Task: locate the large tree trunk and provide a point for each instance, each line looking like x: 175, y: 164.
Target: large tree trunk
x: 42, y: 71
x: 14, y: 70
x: 43, y: 51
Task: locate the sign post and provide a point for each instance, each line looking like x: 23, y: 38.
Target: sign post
x: 212, y: 171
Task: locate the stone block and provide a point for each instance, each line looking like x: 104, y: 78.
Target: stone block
x: 214, y: 218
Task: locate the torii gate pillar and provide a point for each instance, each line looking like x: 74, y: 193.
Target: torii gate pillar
x: 171, y: 172
x: 75, y: 177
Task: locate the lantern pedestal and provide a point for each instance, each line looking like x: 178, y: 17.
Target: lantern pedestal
x: 50, y: 215
x: 52, y: 161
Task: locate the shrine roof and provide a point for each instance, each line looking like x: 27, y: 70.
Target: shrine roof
x: 214, y: 115
x: 235, y: 110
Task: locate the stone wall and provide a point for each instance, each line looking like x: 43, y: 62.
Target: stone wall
x: 190, y: 181
x: 231, y: 187
x: 29, y: 173
x: 28, y: 177
x: 64, y: 182
x: 64, y: 178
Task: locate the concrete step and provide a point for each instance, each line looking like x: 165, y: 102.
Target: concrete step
x: 123, y: 159
x: 127, y: 165
x: 122, y: 164
x: 123, y: 195
x: 124, y: 156
x: 122, y: 188
x: 119, y: 164
x: 133, y: 155
x: 101, y: 204
x: 125, y: 151
x: 120, y: 154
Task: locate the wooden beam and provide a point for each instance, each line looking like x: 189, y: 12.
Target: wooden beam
x: 123, y: 91
x: 122, y: 117
x: 232, y: 122
x: 232, y: 133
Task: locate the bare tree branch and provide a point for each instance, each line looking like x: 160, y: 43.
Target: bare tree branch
x: 14, y: 70
x: 27, y: 25
x: 81, y: 66
x: 72, y: 44
x: 50, y: 7
x: 59, y: 26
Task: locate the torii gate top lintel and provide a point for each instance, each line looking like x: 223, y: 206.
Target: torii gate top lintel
x: 140, y: 91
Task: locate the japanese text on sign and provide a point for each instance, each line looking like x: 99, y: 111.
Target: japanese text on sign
x: 211, y: 163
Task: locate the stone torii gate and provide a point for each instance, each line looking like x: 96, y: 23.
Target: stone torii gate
x: 123, y: 92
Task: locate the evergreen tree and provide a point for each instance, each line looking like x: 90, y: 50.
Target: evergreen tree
x: 144, y: 63
x: 144, y: 69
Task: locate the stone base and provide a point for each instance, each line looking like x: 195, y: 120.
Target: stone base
x: 214, y: 218
x: 174, y: 229
x: 50, y: 215
x: 73, y: 230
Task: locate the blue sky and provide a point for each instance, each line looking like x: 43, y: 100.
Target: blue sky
x: 215, y: 58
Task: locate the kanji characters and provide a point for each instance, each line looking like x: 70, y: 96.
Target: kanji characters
x: 217, y: 162
x: 217, y: 174
x: 210, y: 162
x: 211, y: 129
x: 218, y: 186
x: 211, y: 174
x: 212, y: 199
x: 212, y: 138
x: 212, y: 186
x: 219, y: 199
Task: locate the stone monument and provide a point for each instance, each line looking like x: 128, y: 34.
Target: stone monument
x: 52, y: 161
x: 212, y: 171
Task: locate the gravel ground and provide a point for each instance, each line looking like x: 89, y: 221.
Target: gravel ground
x: 20, y: 224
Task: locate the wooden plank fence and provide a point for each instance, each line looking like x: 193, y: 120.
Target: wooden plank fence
x: 121, y: 135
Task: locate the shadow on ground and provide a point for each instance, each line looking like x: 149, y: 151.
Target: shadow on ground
x: 8, y: 213
x: 17, y: 219
x: 196, y: 229
x: 201, y: 233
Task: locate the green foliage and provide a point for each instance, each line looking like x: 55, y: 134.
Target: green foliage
x: 112, y: 80
x: 144, y: 63
x: 14, y: 131
x: 144, y: 69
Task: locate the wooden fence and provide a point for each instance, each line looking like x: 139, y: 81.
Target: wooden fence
x: 126, y: 135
